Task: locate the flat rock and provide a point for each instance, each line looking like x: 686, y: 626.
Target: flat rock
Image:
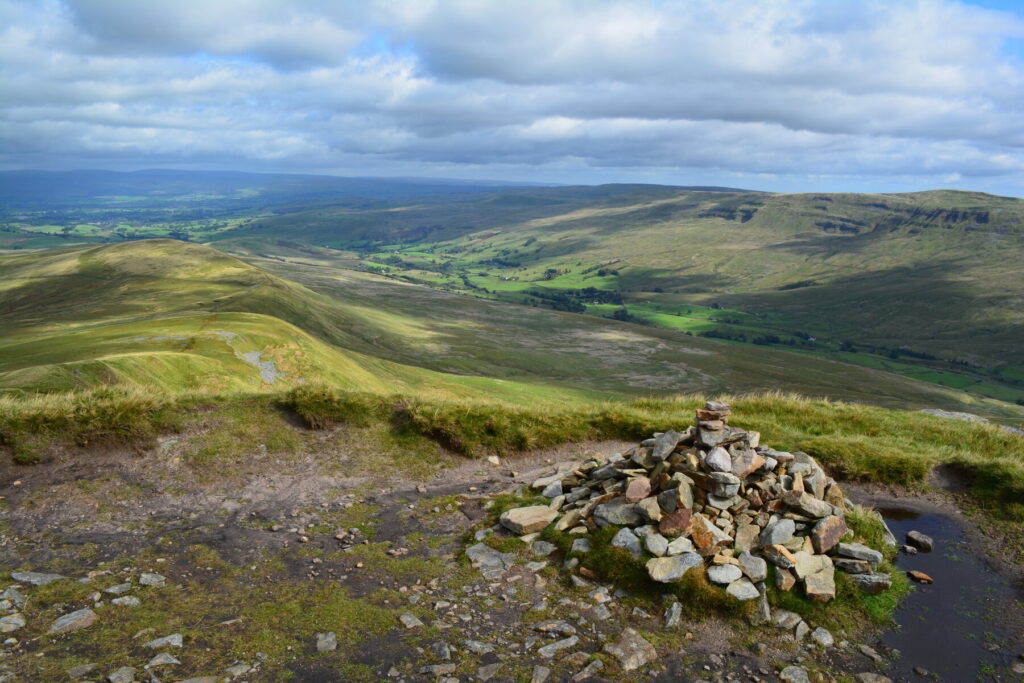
x: 718, y: 460
x: 126, y: 674
x: 163, y: 659
x: 794, y: 674
x: 617, y: 512
x: 742, y: 589
x: 173, y: 640
x: 724, y: 574
x: 920, y: 541
x: 631, y: 650
x: 777, y: 533
x: 127, y: 601
x: 827, y: 532
x: 858, y: 551
x: 118, y: 589
x: 326, y: 642
x: 680, y: 545
x: 672, y: 569
x: 920, y: 577
x: 549, y: 651
x: 11, y: 623
x: 821, y: 586
x: 36, y: 578
x: 807, y: 564
x: 849, y: 566
x: 705, y: 535
x: 491, y: 563
x: 872, y: 584
x: 153, y: 580
x: 80, y: 670
x: 656, y: 544
x: 72, y: 622
x: 627, y: 540
x: 410, y: 620
x: 807, y: 504
x: 527, y: 520
x: 755, y: 568
x: 823, y: 637
x: 664, y: 445
x: 871, y: 677
x: 676, y: 523
x: 779, y: 555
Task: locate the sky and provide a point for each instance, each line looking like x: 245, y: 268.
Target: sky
x: 779, y: 95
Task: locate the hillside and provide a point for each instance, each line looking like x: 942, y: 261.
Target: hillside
x: 183, y: 317
x: 920, y: 284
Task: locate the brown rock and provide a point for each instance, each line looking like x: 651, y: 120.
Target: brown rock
x: 676, y: 523
x: 835, y: 496
x: 784, y: 579
x: 705, y: 535
x: 798, y: 483
x: 638, y: 489
x: 821, y: 586
x: 589, y: 574
x: 779, y: 556
x: 650, y: 509
x: 713, y: 425
x: 827, y: 533
x: 920, y: 577
x: 745, y: 462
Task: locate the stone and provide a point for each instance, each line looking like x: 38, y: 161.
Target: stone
x: 849, y: 566
x: 672, y: 569
x: 673, y: 615
x: 779, y: 556
x: 637, y: 489
x: 118, y: 589
x: 920, y: 577
x: 821, y: 586
x: 801, y: 630
x: 126, y: 674
x: 656, y: 544
x: 74, y: 621
x: 680, y: 545
x: 410, y: 620
x: 627, y: 540
x: 665, y: 444
x: 724, y: 574
x: 705, y: 535
x: 153, y: 580
x: 127, y: 601
x: 871, y: 677
x: 589, y: 671
x: 784, y: 579
x: 777, y: 533
x: 617, y: 512
x: 491, y: 563
x: 543, y: 548
x: 823, y: 637
x: 173, y: 640
x: 755, y: 568
x: 650, y: 509
x: 807, y: 564
x: 724, y: 484
x: 488, y: 671
x: 540, y: 674
x: 549, y: 651
x: 80, y: 670
x: 920, y: 541
x: 743, y: 590
x: 580, y: 545
x: 36, y: 578
x: 807, y: 504
x: 12, y: 622
x: 794, y: 674
x: 632, y: 650
x: 827, y: 532
x: 15, y: 596
x: 762, y: 612
x: 527, y: 520
x: 746, y: 462
x: 872, y: 584
x: 858, y: 551
x: 163, y: 659
x: 746, y: 537
x: 676, y: 523
x: 718, y: 460
x: 552, y: 490
x: 325, y: 642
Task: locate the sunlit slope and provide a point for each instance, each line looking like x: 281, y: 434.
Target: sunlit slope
x: 933, y: 271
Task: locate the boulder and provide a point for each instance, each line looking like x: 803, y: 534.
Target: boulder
x: 650, y: 509
x: 920, y: 541
x: 794, y: 674
x: 637, y: 489
x: 632, y: 650
x: 705, y: 535
x: 664, y: 445
x: 821, y: 586
x: 680, y: 545
x: 627, y: 540
x: 656, y: 544
x: 755, y: 568
x: 72, y: 622
x: 777, y: 533
x: 784, y: 579
x: 36, y: 578
x: 528, y: 520
x: 725, y: 484
x: 672, y: 569
x: 718, y: 460
x: 676, y: 523
x: 808, y: 564
x: 746, y: 462
x: 858, y: 551
x: 807, y: 504
x: 872, y: 584
x: 724, y: 574
x: 827, y: 532
x: 617, y: 512
x: 742, y: 589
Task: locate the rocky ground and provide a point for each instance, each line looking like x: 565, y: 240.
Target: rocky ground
x: 328, y: 566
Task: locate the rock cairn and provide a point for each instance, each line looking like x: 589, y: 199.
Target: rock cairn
x: 712, y: 497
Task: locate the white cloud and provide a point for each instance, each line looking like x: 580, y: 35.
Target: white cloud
x: 792, y: 89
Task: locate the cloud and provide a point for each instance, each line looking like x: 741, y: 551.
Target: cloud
x: 915, y: 93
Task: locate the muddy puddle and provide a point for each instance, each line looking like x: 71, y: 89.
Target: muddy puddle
x: 965, y: 626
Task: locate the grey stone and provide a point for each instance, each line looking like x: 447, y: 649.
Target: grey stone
x: 581, y: 545
x: 477, y: 647
x: 127, y: 601
x: 762, y: 613
x: 163, y: 659
x: 600, y: 613
x: 12, y: 623
x: 15, y: 596
x: 724, y: 573
x: 656, y: 544
x: 491, y: 563
x: 153, y: 580
x: 777, y: 533
x: 785, y: 619
x: 858, y: 551
x: 632, y: 650
x: 872, y: 584
x: 725, y: 484
x: 553, y: 490
x: 527, y: 520
x: 746, y: 537
x: 808, y: 505
x: 438, y: 670
x: 549, y: 651
x: 755, y: 568
x: 628, y: 541
x: 718, y: 460
x: 794, y: 674
x: 543, y: 548
x: 821, y: 586
x: 118, y: 589
x: 680, y: 545
x: 487, y: 672
x: 617, y: 512
x: 173, y: 640
x: 410, y: 620
x: 871, y: 677
x: 36, y: 578
x: 672, y: 569
x: 664, y: 445
x: 540, y: 674
x: 441, y: 650
x: 326, y: 642
x: 126, y: 674
x: 555, y: 627
x: 743, y: 590
x: 589, y: 671
x: 849, y: 566
x: 73, y: 621
x: 823, y: 637
x: 920, y: 541
x: 673, y: 615
x: 80, y: 670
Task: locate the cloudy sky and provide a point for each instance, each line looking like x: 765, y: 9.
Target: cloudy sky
x: 774, y: 94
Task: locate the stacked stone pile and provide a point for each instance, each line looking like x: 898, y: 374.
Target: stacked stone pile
x: 712, y: 496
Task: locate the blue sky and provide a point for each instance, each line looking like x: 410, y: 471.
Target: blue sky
x: 786, y: 95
